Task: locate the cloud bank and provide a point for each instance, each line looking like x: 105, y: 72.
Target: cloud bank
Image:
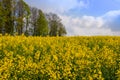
x: 107, y: 24
x: 59, y: 6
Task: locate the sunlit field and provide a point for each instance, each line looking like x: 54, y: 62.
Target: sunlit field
x: 55, y: 58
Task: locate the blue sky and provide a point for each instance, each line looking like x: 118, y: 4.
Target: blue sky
x: 84, y: 17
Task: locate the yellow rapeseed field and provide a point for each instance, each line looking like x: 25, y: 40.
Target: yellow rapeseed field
x: 59, y: 58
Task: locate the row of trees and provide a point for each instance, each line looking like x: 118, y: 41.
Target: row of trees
x: 16, y: 16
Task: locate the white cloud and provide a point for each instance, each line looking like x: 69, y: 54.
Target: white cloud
x: 112, y: 19
x: 85, y: 21
x: 82, y: 4
x: 55, y: 5
x: 90, y: 21
x: 111, y: 15
x: 86, y: 25
x: 90, y: 25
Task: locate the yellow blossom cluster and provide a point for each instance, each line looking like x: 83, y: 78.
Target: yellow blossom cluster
x: 59, y: 58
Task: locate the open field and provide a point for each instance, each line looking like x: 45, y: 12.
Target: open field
x: 54, y: 58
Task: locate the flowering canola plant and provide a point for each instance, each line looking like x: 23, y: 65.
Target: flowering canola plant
x: 55, y: 58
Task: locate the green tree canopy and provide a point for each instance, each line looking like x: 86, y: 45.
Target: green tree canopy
x: 55, y: 25
x: 42, y: 25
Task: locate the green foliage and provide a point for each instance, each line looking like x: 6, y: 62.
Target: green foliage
x: 42, y: 25
x: 53, y: 28
x: 18, y: 16
x: 62, y: 30
x: 56, y: 26
x: 7, y: 22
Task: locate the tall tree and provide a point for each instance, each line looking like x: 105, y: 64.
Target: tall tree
x: 42, y: 25
x: 17, y: 16
x: 7, y: 16
x: 1, y: 17
x: 22, y: 16
x: 33, y: 19
x: 12, y: 15
x: 61, y: 30
x: 55, y: 25
x: 27, y: 17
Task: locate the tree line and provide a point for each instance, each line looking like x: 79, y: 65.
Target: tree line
x: 16, y: 16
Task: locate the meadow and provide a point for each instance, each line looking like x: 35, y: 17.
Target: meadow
x: 59, y: 58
